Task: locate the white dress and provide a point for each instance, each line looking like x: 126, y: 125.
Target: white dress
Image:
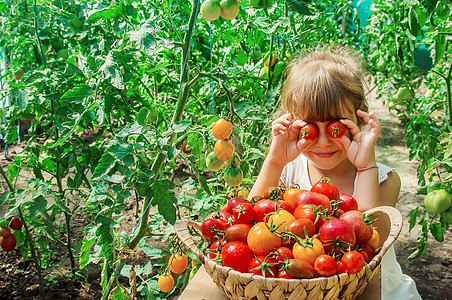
x: 394, y: 284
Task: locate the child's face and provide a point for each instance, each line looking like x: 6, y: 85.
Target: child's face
x: 325, y: 151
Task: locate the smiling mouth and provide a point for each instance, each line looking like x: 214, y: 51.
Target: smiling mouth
x: 324, y: 155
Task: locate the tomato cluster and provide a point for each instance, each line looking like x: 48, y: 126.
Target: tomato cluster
x: 212, y: 9
x: 177, y: 264
x: 8, y: 240
x: 292, y: 233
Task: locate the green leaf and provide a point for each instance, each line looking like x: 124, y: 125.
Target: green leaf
x: 164, y: 198
x: 99, y: 192
x: 111, y: 12
x: 440, y: 47
x: 36, y: 206
x: 300, y: 7
x: 4, y: 198
x: 62, y: 205
x: 180, y: 127
x: 21, y: 99
x: 84, y: 251
x: 413, y: 214
x: 119, y: 293
x: 106, y: 163
x: 144, y: 37
x: 110, y: 70
x: 437, y: 231
x: 77, y: 94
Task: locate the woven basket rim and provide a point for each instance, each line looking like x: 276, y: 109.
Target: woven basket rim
x: 395, y: 219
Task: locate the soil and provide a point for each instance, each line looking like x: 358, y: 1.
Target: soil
x: 432, y: 273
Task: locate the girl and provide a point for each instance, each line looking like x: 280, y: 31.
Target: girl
x: 323, y: 86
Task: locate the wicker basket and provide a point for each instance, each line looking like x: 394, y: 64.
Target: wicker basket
x: 237, y: 285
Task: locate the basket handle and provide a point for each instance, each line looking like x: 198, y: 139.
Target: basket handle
x: 181, y: 228
x: 395, y: 223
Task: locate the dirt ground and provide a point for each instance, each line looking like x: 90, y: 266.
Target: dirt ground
x: 432, y: 273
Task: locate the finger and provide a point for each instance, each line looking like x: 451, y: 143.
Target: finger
x: 354, y: 129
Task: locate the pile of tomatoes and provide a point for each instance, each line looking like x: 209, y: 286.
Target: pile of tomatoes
x: 292, y: 233
x: 8, y: 240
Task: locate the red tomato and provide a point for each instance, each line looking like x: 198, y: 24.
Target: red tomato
x: 237, y: 232
x: 309, y: 131
x: 215, y: 248
x: 5, y: 232
x: 284, y: 254
x: 223, y: 216
x: 233, y: 202
x: 290, y: 196
x: 243, y: 213
x: 340, y: 268
x: 298, y: 268
x: 360, y: 224
x: 184, y: 147
x: 283, y: 274
x: 327, y: 189
x: 337, y: 234
x: 8, y: 243
x: 335, y: 129
x: 301, y: 227
x: 262, y: 208
x: 263, y: 266
x: 348, y: 202
x: 211, y: 228
x: 15, y: 223
x: 305, y: 211
x: 236, y: 255
x: 353, y: 262
x: 316, y: 199
x: 283, y: 205
x: 370, y: 253
x: 325, y: 265
x: 261, y: 240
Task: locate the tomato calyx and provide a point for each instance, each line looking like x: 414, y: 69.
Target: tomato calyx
x: 265, y: 264
x: 338, y: 244
x: 368, y: 219
x: 321, y: 214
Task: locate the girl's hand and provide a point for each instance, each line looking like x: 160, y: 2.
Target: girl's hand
x: 361, y: 149
x: 286, y: 145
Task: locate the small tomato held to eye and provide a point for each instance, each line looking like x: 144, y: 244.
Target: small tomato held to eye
x: 335, y: 129
x: 309, y: 131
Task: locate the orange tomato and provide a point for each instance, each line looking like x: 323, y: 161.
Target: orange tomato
x: 224, y: 150
x: 178, y: 263
x: 308, y: 252
x: 374, y: 241
x: 261, y: 240
x: 166, y: 283
x: 281, y: 218
x: 290, y: 196
x: 222, y: 129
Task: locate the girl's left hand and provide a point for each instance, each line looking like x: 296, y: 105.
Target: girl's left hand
x: 361, y: 149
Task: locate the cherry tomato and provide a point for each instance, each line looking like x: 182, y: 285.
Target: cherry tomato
x: 8, y: 243
x: 283, y: 274
x: 374, y: 241
x: 337, y: 235
x: 298, y: 268
x: 15, y: 223
x: 309, y: 251
x: 178, y: 263
x: 236, y: 255
x: 305, y: 211
x: 348, y: 202
x: 184, y: 147
x: 233, y: 202
x: 215, y: 248
x: 210, y: 228
x: 261, y: 240
x: 166, y: 283
x: 221, y: 215
x: 301, y: 227
x: 325, y: 265
x: 263, y: 266
x: 281, y: 218
x: 437, y: 201
x: 284, y: 254
x: 233, y: 176
x: 221, y: 129
x: 224, y: 150
x: 290, y: 196
x: 370, y: 253
x: 5, y: 232
x: 213, y: 163
x: 237, y: 232
x: 335, y: 129
x: 360, y: 224
x: 353, y: 262
x: 309, y: 131
x: 327, y: 189
x: 243, y: 213
x: 316, y: 199
x: 340, y: 268
x: 262, y: 208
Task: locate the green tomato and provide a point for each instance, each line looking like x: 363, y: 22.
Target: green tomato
x: 210, y: 10
x: 403, y: 93
x: 229, y: 9
x: 153, y: 115
x: 233, y: 176
x: 213, y: 163
x: 255, y: 3
x: 279, y: 68
x: 437, y: 201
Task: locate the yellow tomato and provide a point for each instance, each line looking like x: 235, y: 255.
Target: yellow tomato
x: 282, y: 218
x: 308, y: 252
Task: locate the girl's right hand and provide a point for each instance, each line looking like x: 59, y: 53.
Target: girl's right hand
x: 286, y: 144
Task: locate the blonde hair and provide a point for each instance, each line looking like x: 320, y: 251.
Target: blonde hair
x: 323, y: 84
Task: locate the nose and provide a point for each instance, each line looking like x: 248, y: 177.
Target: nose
x: 323, y: 139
